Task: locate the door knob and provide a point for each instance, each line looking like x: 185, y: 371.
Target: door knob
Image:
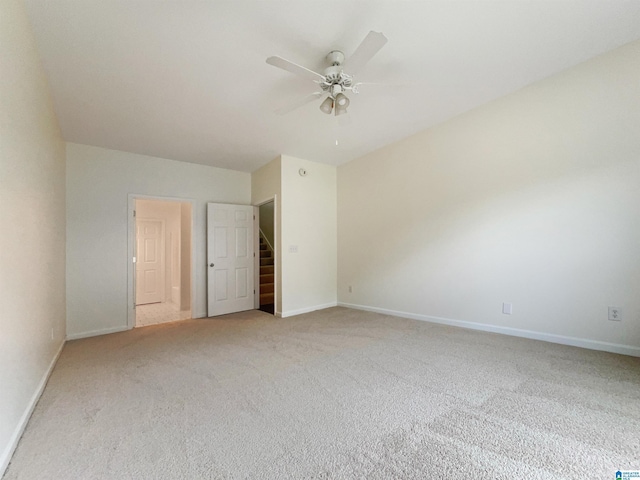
x: 211, y: 264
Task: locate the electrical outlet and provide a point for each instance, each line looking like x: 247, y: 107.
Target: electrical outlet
x: 507, y: 308
x: 615, y: 314
x: 350, y: 289
x: 293, y: 248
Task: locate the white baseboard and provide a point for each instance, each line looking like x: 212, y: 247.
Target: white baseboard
x: 22, y: 424
x: 515, y: 332
x: 95, y: 333
x: 300, y: 311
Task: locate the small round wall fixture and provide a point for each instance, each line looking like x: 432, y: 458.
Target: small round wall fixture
x: 302, y: 172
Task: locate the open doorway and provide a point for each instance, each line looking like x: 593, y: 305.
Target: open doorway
x: 163, y: 265
x: 267, y: 257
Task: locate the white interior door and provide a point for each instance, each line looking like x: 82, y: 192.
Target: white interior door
x: 150, y: 285
x: 230, y: 254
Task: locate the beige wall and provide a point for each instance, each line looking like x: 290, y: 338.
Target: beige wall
x: 99, y: 182
x: 309, y: 217
x: 533, y: 199
x: 32, y: 249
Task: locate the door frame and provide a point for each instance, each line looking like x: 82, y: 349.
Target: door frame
x: 131, y: 251
x: 276, y: 253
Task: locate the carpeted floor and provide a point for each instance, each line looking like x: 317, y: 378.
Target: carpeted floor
x: 337, y: 393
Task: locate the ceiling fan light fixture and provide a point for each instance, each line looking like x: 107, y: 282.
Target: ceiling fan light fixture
x: 342, y: 101
x: 341, y: 111
x: 327, y: 105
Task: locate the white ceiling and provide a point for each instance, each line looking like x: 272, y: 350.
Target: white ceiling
x: 187, y: 80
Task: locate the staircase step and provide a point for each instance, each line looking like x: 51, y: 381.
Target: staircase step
x: 266, y: 298
x: 268, y: 278
x: 265, y: 253
x: 266, y: 261
x: 263, y: 246
x: 266, y: 288
x: 266, y: 269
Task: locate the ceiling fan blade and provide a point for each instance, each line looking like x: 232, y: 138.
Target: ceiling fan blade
x: 294, y: 68
x: 371, y: 44
x: 298, y: 103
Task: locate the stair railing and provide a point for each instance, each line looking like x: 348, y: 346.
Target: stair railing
x: 266, y: 240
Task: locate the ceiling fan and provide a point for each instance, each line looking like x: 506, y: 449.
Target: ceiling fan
x: 334, y: 81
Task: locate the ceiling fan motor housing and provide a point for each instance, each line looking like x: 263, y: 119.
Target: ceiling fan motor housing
x: 336, y: 81
x: 335, y: 57
x: 335, y: 76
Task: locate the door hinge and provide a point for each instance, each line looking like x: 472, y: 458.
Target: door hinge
x: 254, y: 217
x: 134, y: 213
x: 254, y: 292
x: 254, y: 254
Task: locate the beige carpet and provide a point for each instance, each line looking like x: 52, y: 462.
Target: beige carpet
x: 331, y: 394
